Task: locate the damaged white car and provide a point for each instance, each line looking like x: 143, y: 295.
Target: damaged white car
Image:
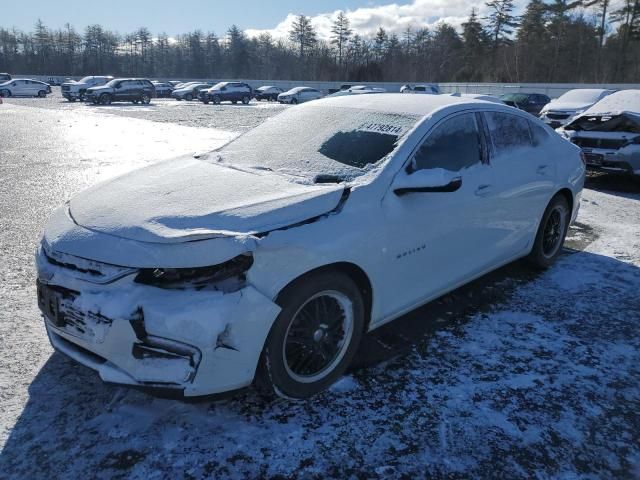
x: 269, y: 258
x: 609, y: 133
x: 562, y: 110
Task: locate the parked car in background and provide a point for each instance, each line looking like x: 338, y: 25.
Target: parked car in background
x: 561, y: 111
x: 233, y: 92
x: 532, y: 103
x: 73, y: 90
x: 609, y: 133
x: 181, y: 275
x: 299, y: 95
x: 190, y: 91
x: 24, y: 87
x: 424, y: 89
x: 174, y: 83
x: 163, y: 89
x: 180, y: 85
x: 136, y: 90
x: 267, y: 93
x: 478, y: 96
x: 358, y: 90
x: 4, y: 77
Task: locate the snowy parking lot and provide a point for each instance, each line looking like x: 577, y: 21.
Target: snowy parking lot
x: 518, y: 375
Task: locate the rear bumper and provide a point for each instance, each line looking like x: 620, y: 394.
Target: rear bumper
x: 620, y: 161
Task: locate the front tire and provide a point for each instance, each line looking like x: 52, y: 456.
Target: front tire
x: 315, y: 336
x: 145, y: 99
x: 188, y: 97
x: 551, y: 233
x: 294, y: 101
x: 216, y: 100
x: 245, y: 100
x: 105, y: 99
x: 5, y: 93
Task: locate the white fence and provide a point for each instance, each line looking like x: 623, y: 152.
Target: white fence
x: 553, y: 90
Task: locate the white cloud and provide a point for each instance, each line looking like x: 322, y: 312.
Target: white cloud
x: 394, y: 18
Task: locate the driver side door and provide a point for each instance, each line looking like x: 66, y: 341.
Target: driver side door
x: 438, y: 240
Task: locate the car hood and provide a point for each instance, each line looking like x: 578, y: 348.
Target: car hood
x: 73, y: 82
x: 566, y: 106
x: 190, y: 199
x: 99, y: 89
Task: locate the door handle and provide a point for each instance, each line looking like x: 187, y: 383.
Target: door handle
x: 542, y: 169
x: 483, y: 190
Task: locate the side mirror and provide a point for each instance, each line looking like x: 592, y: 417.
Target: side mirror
x: 426, y: 181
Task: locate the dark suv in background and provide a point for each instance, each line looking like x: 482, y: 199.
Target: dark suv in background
x: 122, y: 90
x: 233, y: 92
x: 529, y: 102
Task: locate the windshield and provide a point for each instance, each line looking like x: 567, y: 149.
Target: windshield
x: 514, y: 97
x: 218, y: 86
x: 113, y: 83
x: 85, y: 80
x: 343, y: 142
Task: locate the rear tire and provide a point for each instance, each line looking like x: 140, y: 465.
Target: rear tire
x: 551, y: 233
x: 145, y: 99
x: 315, y: 336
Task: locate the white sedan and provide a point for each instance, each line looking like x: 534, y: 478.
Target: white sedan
x: 24, y: 87
x: 299, y: 95
x: 269, y: 258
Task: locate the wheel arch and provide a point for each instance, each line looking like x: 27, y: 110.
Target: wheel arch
x: 568, y: 196
x: 353, y: 271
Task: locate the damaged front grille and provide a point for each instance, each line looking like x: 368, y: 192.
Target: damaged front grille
x: 84, y: 269
x: 603, y: 143
x: 557, y: 116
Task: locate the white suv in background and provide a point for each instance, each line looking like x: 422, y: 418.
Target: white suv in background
x: 73, y: 90
x: 299, y: 95
x: 24, y: 87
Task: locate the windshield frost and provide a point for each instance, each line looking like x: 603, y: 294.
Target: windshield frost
x: 312, y: 141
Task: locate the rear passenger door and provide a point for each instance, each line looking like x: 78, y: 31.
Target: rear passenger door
x: 524, y: 177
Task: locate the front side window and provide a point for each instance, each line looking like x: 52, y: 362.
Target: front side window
x: 508, y: 131
x: 453, y: 145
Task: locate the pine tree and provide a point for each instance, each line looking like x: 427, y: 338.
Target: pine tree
x: 303, y: 34
x: 475, y: 43
x: 340, y: 34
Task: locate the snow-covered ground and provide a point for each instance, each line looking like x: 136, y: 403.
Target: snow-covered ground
x: 519, y: 375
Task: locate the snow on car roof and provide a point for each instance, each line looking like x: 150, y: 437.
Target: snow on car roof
x: 617, y: 103
x: 586, y: 95
x: 396, y: 102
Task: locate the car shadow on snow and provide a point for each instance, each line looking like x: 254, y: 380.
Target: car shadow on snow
x: 401, y: 409
x: 616, y: 184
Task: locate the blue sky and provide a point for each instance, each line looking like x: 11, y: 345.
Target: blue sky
x: 253, y: 16
x: 163, y: 15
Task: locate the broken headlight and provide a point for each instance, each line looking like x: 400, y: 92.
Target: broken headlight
x: 227, y: 276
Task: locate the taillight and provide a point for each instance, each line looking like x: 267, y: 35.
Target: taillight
x: 583, y: 157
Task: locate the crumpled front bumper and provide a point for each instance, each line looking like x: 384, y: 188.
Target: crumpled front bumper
x: 195, y: 342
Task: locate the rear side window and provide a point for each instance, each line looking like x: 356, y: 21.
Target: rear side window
x: 538, y: 134
x: 508, y: 131
x: 453, y: 145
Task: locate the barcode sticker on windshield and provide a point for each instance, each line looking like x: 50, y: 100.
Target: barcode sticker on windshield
x: 382, y: 128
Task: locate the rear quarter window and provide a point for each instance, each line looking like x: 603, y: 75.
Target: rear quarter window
x: 508, y: 132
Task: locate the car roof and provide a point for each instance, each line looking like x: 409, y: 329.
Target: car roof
x: 399, y: 103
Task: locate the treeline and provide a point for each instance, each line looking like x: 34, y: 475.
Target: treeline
x: 551, y: 41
